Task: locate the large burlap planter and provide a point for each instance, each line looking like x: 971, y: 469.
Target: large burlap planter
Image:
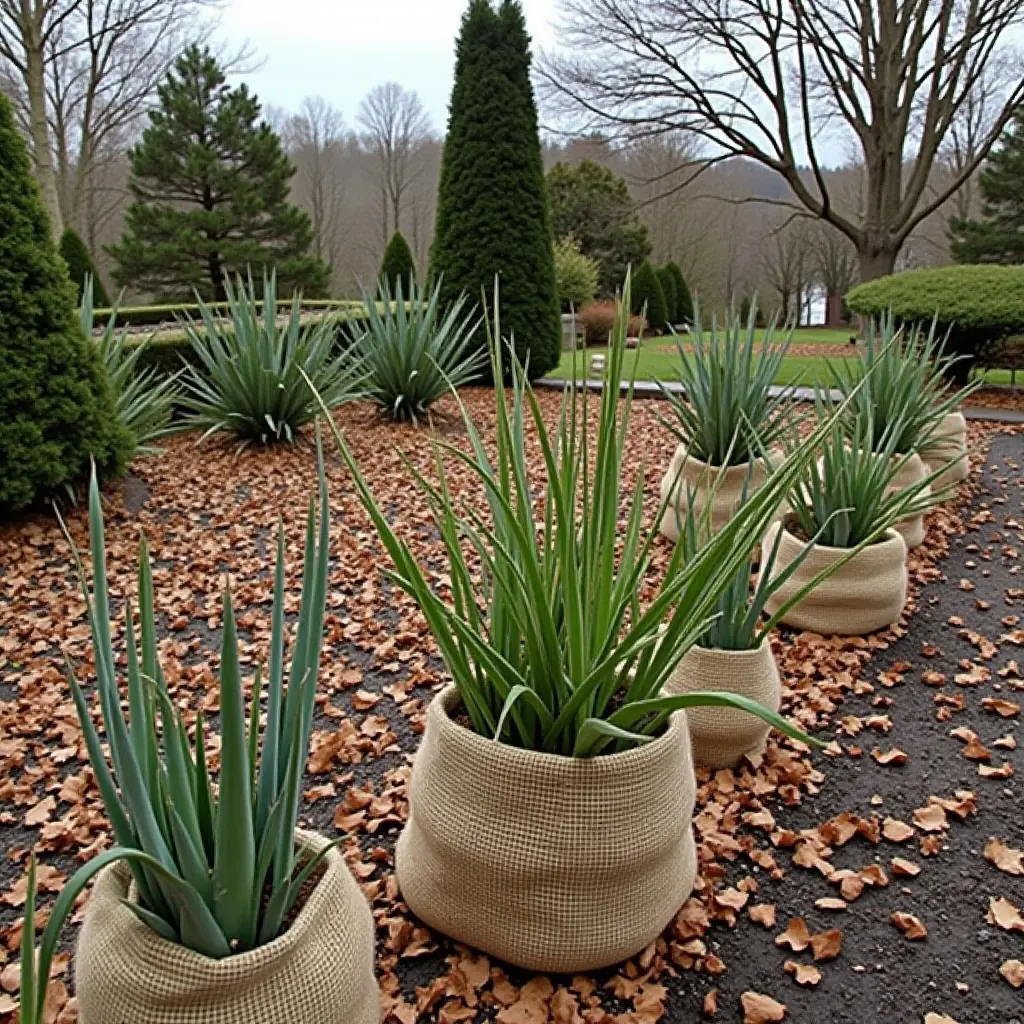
x: 867, y: 594
x: 948, y: 448
x: 687, y: 475
x: 320, y: 971
x: 553, y: 863
x: 722, y: 736
x: 912, y: 528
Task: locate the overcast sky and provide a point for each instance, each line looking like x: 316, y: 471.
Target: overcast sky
x: 340, y: 49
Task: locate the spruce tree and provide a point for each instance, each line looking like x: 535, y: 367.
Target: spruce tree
x: 647, y: 295
x: 80, y: 266
x: 668, y: 287
x: 210, y: 187
x: 999, y: 236
x: 492, y: 210
x: 56, y: 406
x: 684, y: 300
x: 397, y: 264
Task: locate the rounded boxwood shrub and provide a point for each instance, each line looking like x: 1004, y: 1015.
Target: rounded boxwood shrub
x: 979, y: 305
x: 56, y: 405
x: 647, y: 295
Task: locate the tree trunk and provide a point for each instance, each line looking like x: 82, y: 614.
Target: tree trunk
x: 216, y: 273
x: 42, y: 152
x: 876, y: 262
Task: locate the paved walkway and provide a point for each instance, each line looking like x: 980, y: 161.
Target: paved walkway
x: 649, y: 389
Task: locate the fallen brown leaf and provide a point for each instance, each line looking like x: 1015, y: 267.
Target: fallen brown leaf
x: 761, y: 1009
x: 803, y: 974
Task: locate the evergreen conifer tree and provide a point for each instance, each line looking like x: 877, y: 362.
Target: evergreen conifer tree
x: 999, y: 236
x: 668, y: 288
x: 79, y: 262
x: 210, y: 187
x: 397, y: 264
x: 492, y: 210
x: 647, y: 294
x: 684, y: 300
x: 56, y: 406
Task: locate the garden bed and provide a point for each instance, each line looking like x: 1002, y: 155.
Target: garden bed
x: 770, y: 836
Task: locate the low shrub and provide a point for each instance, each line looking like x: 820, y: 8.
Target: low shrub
x: 80, y: 267
x: 978, y: 305
x: 397, y: 263
x: 575, y: 275
x: 598, y: 318
x: 153, y: 316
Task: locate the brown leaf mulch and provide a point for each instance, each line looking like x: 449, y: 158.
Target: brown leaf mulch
x: 839, y: 887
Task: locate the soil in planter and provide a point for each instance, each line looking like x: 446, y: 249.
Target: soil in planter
x: 307, y: 889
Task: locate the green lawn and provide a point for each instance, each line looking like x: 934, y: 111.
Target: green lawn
x: 656, y: 359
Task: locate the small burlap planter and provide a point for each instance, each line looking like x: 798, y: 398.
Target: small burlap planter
x: 552, y: 863
x: 912, y: 528
x: 722, y: 736
x: 320, y: 971
x: 687, y: 474
x: 865, y: 595
x: 949, y: 448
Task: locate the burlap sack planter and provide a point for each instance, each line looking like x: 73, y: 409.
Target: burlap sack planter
x: 865, y: 595
x: 552, y: 863
x: 949, y: 443
x: 912, y: 528
x: 320, y: 971
x: 687, y: 474
x: 722, y: 736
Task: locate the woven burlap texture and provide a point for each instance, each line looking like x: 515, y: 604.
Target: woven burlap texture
x: 688, y: 475
x: 556, y: 864
x: 320, y: 971
x: 720, y: 737
x: 865, y: 595
x: 949, y: 448
x: 911, y: 529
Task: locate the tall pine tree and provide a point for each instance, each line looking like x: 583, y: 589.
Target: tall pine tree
x: 56, y: 407
x: 210, y: 186
x: 492, y: 211
x: 999, y: 236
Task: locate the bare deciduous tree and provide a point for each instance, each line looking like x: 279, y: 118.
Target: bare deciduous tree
x: 785, y: 265
x: 834, y: 263
x: 395, y: 128
x: 86, y: 70
x: 772, y: 80
x: 314, y: 138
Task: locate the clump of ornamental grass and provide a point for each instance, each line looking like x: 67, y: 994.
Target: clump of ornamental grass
x: 846, y: 498
x: 545, y: 639
x: 413, y: 351
x: 727, y: 415
x: 143, y: 398
x: 898, y: 384
x: 251, y: 374
x: 201, y: 860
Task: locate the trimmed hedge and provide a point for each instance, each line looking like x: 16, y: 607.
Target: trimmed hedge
x: 979, y: 305
x: 152, y: 316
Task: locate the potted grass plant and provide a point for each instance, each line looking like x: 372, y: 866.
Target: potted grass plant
x: 847, y: 504
x: 223, y: 910
x: 728, y: 424
x: 734, y: 654
x: 898, y: 384
x: 946, y: 450
x: 550, y: 802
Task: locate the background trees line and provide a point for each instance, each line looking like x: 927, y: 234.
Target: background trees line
x: 362, y: 177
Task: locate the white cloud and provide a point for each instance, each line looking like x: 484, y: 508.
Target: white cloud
x: 341, y: 50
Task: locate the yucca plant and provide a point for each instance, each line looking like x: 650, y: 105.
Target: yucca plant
x: 209, y: 858
x: 843, y: 500
x: 414, y: 351
x: 727, y: 415
x: 143, y: 398
x: 251, y: 374
x: 899, y: 385
x: 546, y: 640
